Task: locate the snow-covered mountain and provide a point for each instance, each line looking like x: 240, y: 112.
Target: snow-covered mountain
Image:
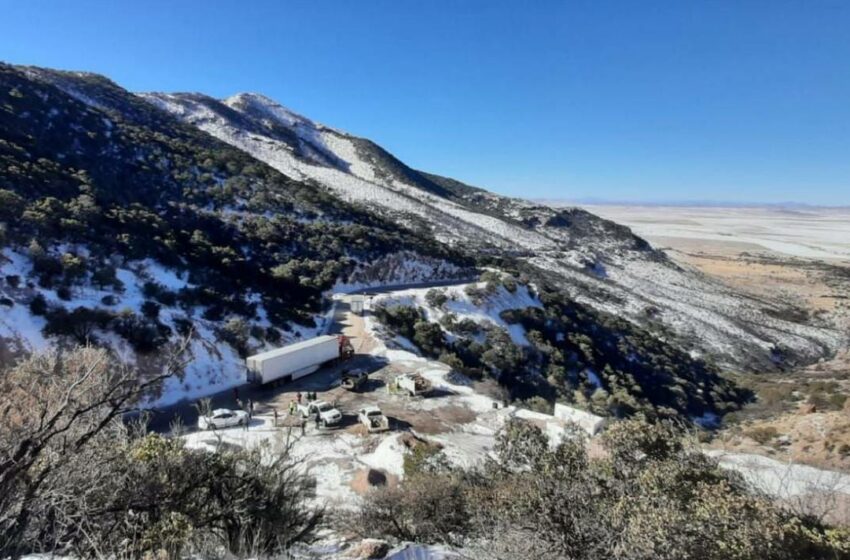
x: 597, y: 261
x: 122, y: 227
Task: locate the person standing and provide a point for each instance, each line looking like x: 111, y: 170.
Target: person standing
x: 275, y: 416
x: 298, y: 396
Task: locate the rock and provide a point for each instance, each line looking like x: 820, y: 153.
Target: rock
x: 807, y: 408
x: 370, y: 548
x: 376, y: 478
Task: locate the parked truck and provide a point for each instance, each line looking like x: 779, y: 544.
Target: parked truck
x: 297, y: 360
x: 411, y: 383
x: 373, y: 419
x: 328, y: 416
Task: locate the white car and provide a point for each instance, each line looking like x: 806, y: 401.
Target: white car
x: 373, y: 419
x: 222, y: 418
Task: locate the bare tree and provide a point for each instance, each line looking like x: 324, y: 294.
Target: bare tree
x: 51, y: 406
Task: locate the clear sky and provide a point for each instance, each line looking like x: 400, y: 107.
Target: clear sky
x: 729, y: 100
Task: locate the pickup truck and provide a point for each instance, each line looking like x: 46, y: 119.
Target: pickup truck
x: 373, y: 419
x: 328, y: 416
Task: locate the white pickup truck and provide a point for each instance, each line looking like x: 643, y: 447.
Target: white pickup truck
x: 373, y: 419
x: 328, y: 416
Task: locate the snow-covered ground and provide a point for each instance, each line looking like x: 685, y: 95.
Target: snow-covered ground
x: 211, y: 365
x: 816, y: 233
x: 460, y: 305
x: 780, y: 479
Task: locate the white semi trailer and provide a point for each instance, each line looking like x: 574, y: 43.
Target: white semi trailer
x: 296, y: 360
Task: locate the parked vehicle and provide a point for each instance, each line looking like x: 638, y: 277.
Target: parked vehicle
x: 354, y: 380
x: 297, y: 360
x: 328, y: 415
x: 357, y: 304
x: 412, y: 383
x: 222, y: 418
x: 373, y: 419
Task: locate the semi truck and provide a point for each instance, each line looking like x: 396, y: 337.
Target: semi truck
x: 294, y: 361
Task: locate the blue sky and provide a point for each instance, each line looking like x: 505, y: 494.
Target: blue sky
x: 700, y: 100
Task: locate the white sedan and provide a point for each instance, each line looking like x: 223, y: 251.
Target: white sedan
x: 222, y: 418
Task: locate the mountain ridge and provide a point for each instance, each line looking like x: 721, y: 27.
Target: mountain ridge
x: 598, y: 262
x: 134, y: 218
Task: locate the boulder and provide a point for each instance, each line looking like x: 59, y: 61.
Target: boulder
x: 370, y: 548
x: 807, y: 408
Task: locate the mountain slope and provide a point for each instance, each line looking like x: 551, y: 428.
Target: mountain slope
x: 597, y: 261
x: 124, y: 226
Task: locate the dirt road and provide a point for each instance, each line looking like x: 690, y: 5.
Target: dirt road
x: 325, y: 382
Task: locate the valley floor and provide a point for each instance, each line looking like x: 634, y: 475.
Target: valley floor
x: 801, y: 257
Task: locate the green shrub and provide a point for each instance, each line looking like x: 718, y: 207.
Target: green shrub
x: 38, y: 305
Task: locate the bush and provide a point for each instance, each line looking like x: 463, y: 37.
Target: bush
x: 183, y: 326
x: 401, y: 318
x: 436, y: 298
x: 150, y: 309
x: 96, y: 488
x: 762, y: 434
x: 142, y: 334
x: 236, y: 332
x: 429, y: 338
x: 272, y: 335
x: 64, y: 293
x: 38, y: 305
x: 651, y: 494
x: 451, y: 360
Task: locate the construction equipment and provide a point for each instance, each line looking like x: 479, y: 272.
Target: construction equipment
x: 373, y: 419
x: 412, y: 383
x: 297, y: 360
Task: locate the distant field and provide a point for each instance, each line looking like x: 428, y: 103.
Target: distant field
x: 808, y: 233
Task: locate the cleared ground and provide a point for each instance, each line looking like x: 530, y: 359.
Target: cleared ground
x: 459, y: 416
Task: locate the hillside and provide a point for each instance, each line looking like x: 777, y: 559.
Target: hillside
x: 596, y: 261
x: 125, y: 227
x: 133, y: 221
